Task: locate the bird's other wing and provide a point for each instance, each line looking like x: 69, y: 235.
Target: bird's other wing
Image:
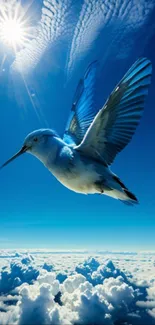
x: 115, y: 124
x: 82, y: 112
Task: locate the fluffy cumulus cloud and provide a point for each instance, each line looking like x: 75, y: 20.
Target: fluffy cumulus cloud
x: 38, y: 288
x: 17, y: 273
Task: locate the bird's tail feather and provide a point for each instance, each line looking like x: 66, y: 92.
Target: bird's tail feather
x: 125, y: 196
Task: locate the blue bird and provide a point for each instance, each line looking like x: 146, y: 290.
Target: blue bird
x: 81, y: 160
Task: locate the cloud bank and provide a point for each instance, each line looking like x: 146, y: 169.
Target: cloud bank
x: 93, y: 290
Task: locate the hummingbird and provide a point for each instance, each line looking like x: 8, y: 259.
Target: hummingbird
x: 81, y: 160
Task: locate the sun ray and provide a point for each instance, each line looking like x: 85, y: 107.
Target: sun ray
x: 2, y: 63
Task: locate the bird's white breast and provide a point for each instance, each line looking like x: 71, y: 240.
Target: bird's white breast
x: 80, y: 179
x: 68, y: 167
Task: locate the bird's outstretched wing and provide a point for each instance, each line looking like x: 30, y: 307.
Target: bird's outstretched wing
x: 82, y: 112
x: 115, y: 124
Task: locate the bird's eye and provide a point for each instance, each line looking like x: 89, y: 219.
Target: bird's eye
x: 35, y: 139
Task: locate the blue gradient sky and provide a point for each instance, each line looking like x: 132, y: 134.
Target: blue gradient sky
x: 36, y: 210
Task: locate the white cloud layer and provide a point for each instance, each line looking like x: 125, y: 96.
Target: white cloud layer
x: 76, y: 289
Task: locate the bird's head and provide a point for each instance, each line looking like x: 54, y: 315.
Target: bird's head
x: 34, y: 143
x: 36, y: 140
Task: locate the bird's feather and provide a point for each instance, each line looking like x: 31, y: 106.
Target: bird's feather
x: 115, y: 124
x: 83, y: 112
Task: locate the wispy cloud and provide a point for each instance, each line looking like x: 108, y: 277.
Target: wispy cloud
x: 52, y: 25
x: 118, y: 23
x: 115, y: 19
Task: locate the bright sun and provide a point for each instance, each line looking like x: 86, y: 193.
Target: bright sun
x: 14, y: 31
x: 11, y: 32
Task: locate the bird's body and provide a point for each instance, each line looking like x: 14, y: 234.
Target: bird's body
x: 76, y: 171
x: 81, y: 160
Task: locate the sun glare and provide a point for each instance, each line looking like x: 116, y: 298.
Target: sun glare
x: 11, y: 32
x: 14, y: 31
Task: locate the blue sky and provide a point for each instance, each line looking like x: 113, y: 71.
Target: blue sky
x: 36, y: 210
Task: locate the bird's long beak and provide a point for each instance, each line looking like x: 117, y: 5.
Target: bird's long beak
x: 20, y: 152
